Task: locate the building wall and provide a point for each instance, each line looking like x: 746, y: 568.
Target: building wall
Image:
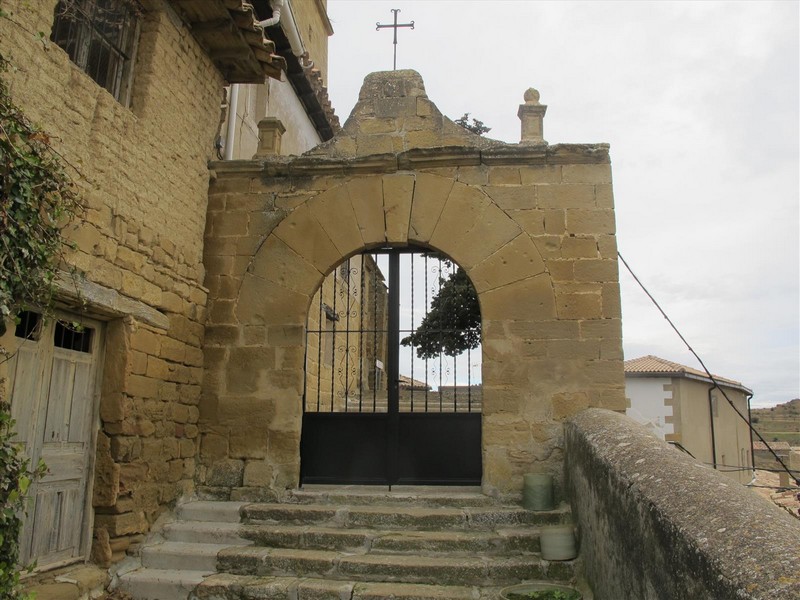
x: 310, y: 16
x: 532, y: 227
x: 277, y: 98
x: 143, y: 180
x: 272, y: 99
x: 732, y: 436
x: 340, y: 361
x: 650, y: 403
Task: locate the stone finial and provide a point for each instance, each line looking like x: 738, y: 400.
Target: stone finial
x: 532, y: 116
x: 270, y: 131
x: 531, y: 96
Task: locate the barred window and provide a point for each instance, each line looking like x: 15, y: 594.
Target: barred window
x: 100, y: 37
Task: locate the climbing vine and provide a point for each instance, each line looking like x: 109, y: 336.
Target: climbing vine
x: 16, y: 477
x: 37, y: 200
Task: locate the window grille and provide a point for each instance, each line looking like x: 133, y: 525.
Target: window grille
x: 100, y: 37
x: 29, y: 326
x: 68, y: 336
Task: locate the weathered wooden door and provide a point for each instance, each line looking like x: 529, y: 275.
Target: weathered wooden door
x: 53, y: 391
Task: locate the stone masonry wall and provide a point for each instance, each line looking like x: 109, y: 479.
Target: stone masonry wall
x: 533, y: 226
x: 654, y: 524
x: 143, y: 178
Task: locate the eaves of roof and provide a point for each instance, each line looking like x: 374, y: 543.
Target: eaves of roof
x: 227, y: 31
x: 653, y: 366
x: 241, y: 50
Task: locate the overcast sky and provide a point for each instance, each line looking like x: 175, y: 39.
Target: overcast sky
x: 699, y: 102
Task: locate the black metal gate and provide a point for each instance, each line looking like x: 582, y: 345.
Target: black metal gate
x: 392, y: 390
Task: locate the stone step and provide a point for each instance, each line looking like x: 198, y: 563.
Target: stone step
x: 387, y: 568
x: 161, y: 584
x: 405, y: 496
x: 203, y: 532
x: 397, y: 517
x: 502, y: 541
x: 210, y: 511
x: 226, y: 586
x: 182, y: 556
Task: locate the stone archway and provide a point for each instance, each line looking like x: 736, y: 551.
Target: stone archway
x: 532, y: 226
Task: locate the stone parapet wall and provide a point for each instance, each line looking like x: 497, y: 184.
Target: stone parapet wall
x: 655, y: 524
x: 143, y: 179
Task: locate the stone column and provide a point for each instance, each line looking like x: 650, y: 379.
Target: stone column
x: 532, y: 116
x: 270, y: 131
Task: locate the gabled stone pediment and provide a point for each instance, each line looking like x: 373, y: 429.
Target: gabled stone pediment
x: 393, y: 114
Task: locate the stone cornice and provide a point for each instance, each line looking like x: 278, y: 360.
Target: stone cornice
x: 421, y: 158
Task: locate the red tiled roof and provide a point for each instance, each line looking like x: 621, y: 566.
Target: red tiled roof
x: 653, y: 365
x: 227, y: 31
x: 774, y: 445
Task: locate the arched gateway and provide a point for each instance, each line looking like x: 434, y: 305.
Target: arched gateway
x: 392, y: 389
x: 532, y: 226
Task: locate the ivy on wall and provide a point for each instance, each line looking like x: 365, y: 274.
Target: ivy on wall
x: 37, y: 200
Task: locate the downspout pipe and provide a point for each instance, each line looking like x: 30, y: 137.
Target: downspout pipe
x: 282, y: 15
x: 231, y: 132
x: 713, y: 436
x: 750, y: 430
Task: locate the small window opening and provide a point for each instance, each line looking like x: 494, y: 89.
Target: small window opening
x: 29, y: 326
x: 100, y: 37
x: 72, y: 337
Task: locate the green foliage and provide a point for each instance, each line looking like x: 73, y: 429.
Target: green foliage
x: 15, y: 479
x: 453, y: 324
x: 477, y: 127
x: 37, y: 199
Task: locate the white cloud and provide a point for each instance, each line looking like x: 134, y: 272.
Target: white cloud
x: 700, y: 104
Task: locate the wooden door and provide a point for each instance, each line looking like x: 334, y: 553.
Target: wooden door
x: 53, y: 391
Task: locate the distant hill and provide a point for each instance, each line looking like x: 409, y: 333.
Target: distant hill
x: 779, y: 423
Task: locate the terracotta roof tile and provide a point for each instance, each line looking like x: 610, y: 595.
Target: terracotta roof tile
x: 774, y: 445
x: 653, y: 365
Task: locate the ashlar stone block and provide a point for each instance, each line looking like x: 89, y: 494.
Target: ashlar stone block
x: 512, y: 197
x: 398, y: 190
x: 584, y: 173
x: 528, y: 299
x: 579, y: 306
x: 278, y: 263
x: 492, y: 231
x: 263, y: 302
x: 430, y: 195
x: 565, y: 196
x: 334, y: 212
x: 304, y: 234
x: 366, y: 197
x: 462, y: 211
x: 591, y: 222
x: 246, y: 367
x: 517, y: 259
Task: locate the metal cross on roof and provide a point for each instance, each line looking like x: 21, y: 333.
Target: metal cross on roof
x: 395, y: 26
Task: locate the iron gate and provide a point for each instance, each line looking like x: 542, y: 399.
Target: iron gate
x: 392, y: 389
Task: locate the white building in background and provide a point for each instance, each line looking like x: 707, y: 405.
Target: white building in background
x: 683, y: 406
x: 295, y: 96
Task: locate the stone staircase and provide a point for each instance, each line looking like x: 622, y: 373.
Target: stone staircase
x: 349, y: 544
x: 185, y: 551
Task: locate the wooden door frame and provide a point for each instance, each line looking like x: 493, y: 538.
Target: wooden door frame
x: 93, y: 420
